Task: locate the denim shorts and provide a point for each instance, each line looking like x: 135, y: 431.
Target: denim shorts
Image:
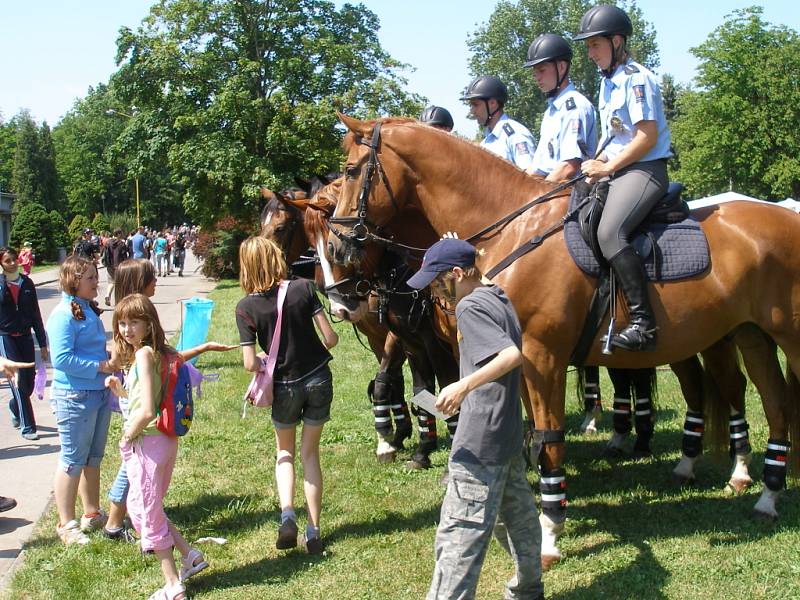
x: 83, y: 417
x: 308, y: 400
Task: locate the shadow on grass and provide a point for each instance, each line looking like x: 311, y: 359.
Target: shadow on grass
x: 226, y: 514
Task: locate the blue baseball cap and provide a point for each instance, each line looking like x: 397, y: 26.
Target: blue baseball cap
x: 442, y: 256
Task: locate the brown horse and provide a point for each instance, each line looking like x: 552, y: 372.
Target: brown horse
x: 295, y: 223
x: 751, y: 290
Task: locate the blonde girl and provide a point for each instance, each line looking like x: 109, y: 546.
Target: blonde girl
x: 148, y: 454
x: 303, y: 383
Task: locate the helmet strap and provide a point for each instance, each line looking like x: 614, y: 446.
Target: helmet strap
x: 559, y: 80
x: 489, y: 113
x: 617, y: 56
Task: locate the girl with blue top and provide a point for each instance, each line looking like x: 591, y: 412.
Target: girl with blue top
x: 634, y: 161
x: 80, y: 365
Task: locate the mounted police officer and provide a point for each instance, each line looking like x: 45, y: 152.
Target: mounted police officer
x: 567, y: 136
x: 635, y: 160
x: 438, y: 117
x: 504, y: 136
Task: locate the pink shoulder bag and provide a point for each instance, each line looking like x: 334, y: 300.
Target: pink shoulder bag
x: 260, y: 391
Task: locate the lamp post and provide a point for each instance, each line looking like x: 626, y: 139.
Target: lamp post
x: 112, y: 112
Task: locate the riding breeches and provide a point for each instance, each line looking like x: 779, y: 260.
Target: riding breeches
x: 632, y: 194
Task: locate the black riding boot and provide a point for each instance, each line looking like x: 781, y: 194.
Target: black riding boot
x: 640, y: 334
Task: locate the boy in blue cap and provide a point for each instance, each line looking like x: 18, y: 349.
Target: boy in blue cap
x: 487, y: 488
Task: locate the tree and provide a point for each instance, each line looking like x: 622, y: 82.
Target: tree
x: 49, y: 186
x: 739, y: 128
x: 499, y: 48
x: 25, y: 178
x: 32, y: 224
x: 99, y: 223
x: 8, y: 149
x: 235, y: 95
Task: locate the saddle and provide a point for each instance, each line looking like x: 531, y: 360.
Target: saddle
x: 672, y: 246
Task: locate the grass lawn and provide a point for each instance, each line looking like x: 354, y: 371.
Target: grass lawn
x: 630, y: 533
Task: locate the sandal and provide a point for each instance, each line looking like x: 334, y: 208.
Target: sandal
x: 170, y: 592
x: 192, y: 564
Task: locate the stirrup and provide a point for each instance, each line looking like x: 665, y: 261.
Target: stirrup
x: 635, y: 338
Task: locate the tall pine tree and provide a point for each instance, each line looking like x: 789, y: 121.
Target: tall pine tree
x: 25, y: 178
x: 48, y: 176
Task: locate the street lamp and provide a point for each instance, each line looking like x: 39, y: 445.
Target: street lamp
x: 112, y: 112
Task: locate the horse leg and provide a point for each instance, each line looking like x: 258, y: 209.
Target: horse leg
x: 690, y: 377
x: 381, y: 392
x: 546, y: 384
x: 759, y: 352
x: 621, y: 378
x: 423, y: 379
x: 644, y: 418
x: 592, y: 404
x: 722, y: 366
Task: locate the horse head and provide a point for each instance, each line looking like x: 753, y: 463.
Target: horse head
x: 282, y: 219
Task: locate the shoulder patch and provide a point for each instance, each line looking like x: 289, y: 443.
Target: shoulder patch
x: 522, y: 148
x: 570, y: 104
x: 631, y: 69
x: 508, y: 129
x: 638, y: 92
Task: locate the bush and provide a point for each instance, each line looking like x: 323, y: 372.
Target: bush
x: 123, y: 221
x: 79, y: 223
x: 59, y: 231
x: 99, y: 223
x: 218, y: 246
x: 32, y: 224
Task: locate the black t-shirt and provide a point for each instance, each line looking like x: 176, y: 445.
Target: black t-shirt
x: 300, y: 351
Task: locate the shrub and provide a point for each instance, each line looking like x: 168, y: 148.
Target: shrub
x: 32, y: 224
x: 99, y: 223
x: 218, y: 246
x: 79, y: 223
x: 124, y: 221
x: 59, y: 231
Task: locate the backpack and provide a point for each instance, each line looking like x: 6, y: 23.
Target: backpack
x: 118, y: 253
x: 86, y: 249
x: 176, y: 409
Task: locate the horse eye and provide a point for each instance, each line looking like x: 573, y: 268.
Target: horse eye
x: 351, y: 172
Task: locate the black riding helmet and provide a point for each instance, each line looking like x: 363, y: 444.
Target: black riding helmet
x: 550, y: 47
x: 438, y: 116
x: 607, y: 21
x: 485, y: 88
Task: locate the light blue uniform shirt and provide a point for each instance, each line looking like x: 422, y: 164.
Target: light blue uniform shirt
x: 510, y: 140
x: 632, y: 95
x: 76, y: 347
x: 568, y: 131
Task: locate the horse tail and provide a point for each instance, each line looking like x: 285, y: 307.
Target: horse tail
x: 792, y: 413
x: 717, y: 414
x: 580, y: 385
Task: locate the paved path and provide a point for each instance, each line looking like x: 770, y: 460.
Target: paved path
x: 26, y: 468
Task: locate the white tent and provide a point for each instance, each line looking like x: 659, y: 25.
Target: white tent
x: 792, y: 205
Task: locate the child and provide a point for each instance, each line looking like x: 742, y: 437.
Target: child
x: 26, y: 258
x: 303, y: 382
x: 487, y: 483
x: 138, y: 276
x: 19, y: 313
x: 149, y: 455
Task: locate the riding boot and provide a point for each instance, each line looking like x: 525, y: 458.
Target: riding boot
x: 640, y: 334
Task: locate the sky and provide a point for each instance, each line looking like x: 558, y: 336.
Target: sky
x: 51, y: 51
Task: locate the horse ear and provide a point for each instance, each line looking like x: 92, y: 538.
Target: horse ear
x: 298, y: 204
x: 303, y: 184
x: 358, y: 127
x: 266, y: 193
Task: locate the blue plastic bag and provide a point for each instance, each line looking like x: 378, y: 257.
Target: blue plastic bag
x: 197, y: 318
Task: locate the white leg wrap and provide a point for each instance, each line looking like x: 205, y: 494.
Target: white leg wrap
x: 550, y: 533
x: 685, y: 467
x: 617, y: 440
x: 766, y: 503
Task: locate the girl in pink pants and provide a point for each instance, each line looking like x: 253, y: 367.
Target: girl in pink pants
x: 149, y: 454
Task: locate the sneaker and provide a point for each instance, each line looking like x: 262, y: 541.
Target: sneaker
x: 71, y: 533
x: 7, y: 503
x: 192, y: 564
x: 315, y: 546
x: 94, y: 523
x: 287, y: 535
x: 123, y: 534
x: 32, y: 436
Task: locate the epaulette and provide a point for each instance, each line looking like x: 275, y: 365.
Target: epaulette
x: 570, y: 104
x: 631, y: 69
x: 508, y: 129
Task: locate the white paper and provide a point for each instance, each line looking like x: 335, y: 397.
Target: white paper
x: 427, y: 401
x: 212, y: 540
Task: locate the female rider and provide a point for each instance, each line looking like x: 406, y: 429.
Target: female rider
x: 634, y: 161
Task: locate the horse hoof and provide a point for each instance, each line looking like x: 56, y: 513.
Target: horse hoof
x: 386, y: 457
x: 548, y: 560
x: 418, y: 464
x: 736, y: 487
x: 642, y: 454
x: 589, y: 430
x: 613, y: 452
x: 682, y: 480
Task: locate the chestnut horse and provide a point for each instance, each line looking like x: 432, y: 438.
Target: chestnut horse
x: 751, y: 290
x: 295, y: 223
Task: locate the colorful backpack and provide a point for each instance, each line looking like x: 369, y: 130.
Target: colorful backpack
x: 176, y: 410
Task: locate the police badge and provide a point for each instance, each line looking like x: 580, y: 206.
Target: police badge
x: 616, y: 124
